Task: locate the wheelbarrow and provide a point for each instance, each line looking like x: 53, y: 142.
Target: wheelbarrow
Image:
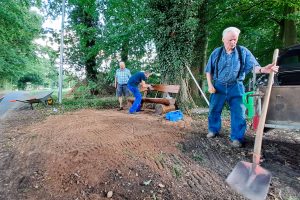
x: 45, y: 98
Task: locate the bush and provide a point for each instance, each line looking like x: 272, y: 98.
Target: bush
x: 96, y: 103
x: 90, y: 89
x: 30, y: 77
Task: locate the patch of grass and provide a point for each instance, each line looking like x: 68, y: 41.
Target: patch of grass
x: 129, y: 153
x: 161, y: 158
x: 197, y: 157
x: 7, y: 145
x: 154, y: 197
x: 34, y: 136
x: 180, y: 146
x: 177, y: 171
x: 96, y: 103
x: 293, y: 198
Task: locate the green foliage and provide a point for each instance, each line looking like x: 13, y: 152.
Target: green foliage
x: 260, y: 24
x: 197, y: 157
x: 161, y: 158
x: 125, y: 34
x: 180, y: 146
x: 110, y: 30
x: 18, y: 27
x: 174, y: 24
x: 293, y: 198
x: 177, y: 171
x: 97, y: 103
x: 84, y: 46
x: 84, y: 89
x: 126, y: 28
x: 33, y: 78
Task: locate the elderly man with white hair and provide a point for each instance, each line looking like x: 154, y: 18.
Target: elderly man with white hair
x: 225, y: 72
x: 122, y: 76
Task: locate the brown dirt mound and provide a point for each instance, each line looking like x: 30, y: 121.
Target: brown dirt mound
x: 86, y: 154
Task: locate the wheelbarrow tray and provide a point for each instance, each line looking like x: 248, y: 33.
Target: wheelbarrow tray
x: 38, y: 98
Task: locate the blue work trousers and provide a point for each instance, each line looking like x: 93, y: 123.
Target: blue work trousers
x: 232, y: 93
x: 136, y: 106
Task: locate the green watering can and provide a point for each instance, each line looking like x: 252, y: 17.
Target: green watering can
x: 248, y: 101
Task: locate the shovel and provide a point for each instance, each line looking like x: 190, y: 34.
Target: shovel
x: 250, y: 179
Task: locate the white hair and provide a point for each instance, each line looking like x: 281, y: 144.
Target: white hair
x: 231, y: 29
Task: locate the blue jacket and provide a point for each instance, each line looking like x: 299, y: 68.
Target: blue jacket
x: 136, y: 79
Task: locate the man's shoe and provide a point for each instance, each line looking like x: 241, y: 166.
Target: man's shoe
x: 236, y: 143
x: 211, y: 135
x: 121, y: 108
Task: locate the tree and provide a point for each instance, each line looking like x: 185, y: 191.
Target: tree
x: 265, y: 25
x: 33, y: 78
x: 126, y: 31
x: 18, y: 27
x: 84, y: 21
x: 99, y: 30
x: 174, y: 24
x: 289, y: 22
x: 82, y: 38
x: 200, y: 47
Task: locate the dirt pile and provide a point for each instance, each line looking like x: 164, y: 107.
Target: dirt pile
x: 90, y: 154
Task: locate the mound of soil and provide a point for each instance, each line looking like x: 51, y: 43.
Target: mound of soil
x: 100, y: 154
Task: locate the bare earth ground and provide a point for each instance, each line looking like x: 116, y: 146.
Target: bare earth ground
x: 85, y: 154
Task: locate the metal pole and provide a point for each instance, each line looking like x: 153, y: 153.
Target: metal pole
x: 197, y: 85
x: 60, y: 80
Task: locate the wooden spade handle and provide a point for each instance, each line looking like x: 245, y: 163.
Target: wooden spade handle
x: 262, y: 119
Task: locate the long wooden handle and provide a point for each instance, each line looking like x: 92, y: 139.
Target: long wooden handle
x: 262, y: 119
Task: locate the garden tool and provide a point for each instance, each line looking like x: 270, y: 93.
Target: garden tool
x: 196, y: 82
x: 250, y: 179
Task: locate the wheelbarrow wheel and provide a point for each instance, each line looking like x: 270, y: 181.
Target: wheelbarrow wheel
x: 50, y: 101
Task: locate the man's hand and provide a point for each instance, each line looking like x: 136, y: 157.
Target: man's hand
x: 270, y: 67
x: 150, y: 87
x: 211, y: 89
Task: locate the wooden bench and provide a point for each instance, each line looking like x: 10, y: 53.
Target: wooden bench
x: 163, y: 104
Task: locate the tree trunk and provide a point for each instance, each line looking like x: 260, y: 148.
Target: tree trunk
x: 200, y: 49
x: 289, y: 36
x: 186, y: 101
x: 90, y: 61
x: 91, y: 69
x: 124, y: 50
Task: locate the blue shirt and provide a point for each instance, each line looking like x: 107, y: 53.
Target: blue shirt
x: 136, y: 79
x: 123, y: 76
x: 229, y: 65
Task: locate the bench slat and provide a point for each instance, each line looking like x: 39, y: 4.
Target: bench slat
x: 164, y: 88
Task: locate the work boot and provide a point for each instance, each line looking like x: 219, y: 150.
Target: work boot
x: 121, y: 108
x: 236, y: 143
x: 211, y: 135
